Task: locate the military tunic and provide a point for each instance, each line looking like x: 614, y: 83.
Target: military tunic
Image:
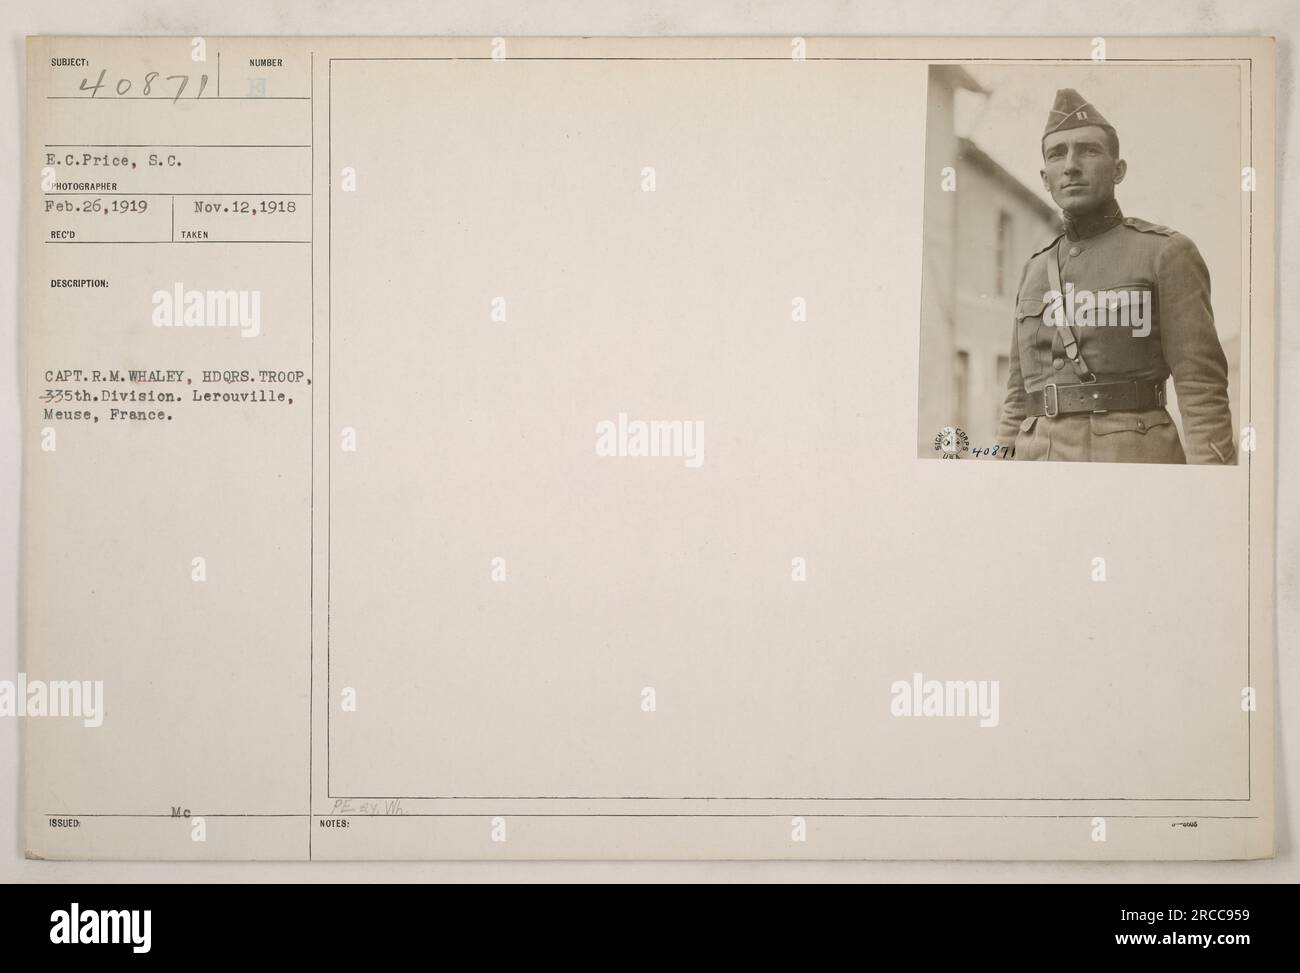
x: 1151, y: 263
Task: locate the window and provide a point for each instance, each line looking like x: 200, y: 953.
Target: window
x: 1003, y: 373
x: 1003, y: 249
x: 960, y: 387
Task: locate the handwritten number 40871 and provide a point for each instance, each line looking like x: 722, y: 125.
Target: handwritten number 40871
x: 151, y: 87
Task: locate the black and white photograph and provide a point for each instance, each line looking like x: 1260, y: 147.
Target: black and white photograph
x: 1082, y: 288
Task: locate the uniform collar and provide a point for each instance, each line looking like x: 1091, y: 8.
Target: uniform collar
x: 1090, y: 224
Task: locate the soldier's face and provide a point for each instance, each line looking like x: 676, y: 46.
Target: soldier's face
x: 1079, y: 170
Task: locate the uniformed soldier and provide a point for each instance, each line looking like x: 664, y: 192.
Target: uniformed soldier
x: 1104, y: 314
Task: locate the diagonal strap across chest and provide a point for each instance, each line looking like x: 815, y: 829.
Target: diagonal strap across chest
x: 1069, y: 339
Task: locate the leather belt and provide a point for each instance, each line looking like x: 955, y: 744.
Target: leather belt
x: 1065, y: 400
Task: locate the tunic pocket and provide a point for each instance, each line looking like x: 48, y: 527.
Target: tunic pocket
x: 1108, y: 423
x: 1118, y: 334
x: 1029, y: 319
x: 1029, y: 445
x: 1029, y: 309
x: 1149, y: 436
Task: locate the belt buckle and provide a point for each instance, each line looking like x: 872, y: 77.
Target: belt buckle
x: 1056, y: 401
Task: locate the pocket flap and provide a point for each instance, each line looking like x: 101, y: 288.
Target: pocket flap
x: 1029, y: 309
x: 1104, y: 423
x: 1123, y: 295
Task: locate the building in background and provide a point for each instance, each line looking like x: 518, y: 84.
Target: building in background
x: 978, y: 236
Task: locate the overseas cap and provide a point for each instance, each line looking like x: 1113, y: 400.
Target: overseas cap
x: 1072, y: 111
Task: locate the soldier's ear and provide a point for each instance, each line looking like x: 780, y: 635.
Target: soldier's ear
x: 1042, y: 174
x: 1121, y: 167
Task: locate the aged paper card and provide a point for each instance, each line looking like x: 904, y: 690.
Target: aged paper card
x: 533, y: 448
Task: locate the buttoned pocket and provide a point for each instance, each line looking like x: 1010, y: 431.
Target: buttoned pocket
x: 1029, y: 309
x: 1029, y: 319
x: 1030, y: 445
x: 1118, y: 304
x: 1118, y: 334
x: 1149, y: 436
x: 1108, y: 423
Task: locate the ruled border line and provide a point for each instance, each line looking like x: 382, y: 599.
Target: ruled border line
x: 1135, y: 62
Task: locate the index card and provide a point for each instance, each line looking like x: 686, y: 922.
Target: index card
x: 543, y: 448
